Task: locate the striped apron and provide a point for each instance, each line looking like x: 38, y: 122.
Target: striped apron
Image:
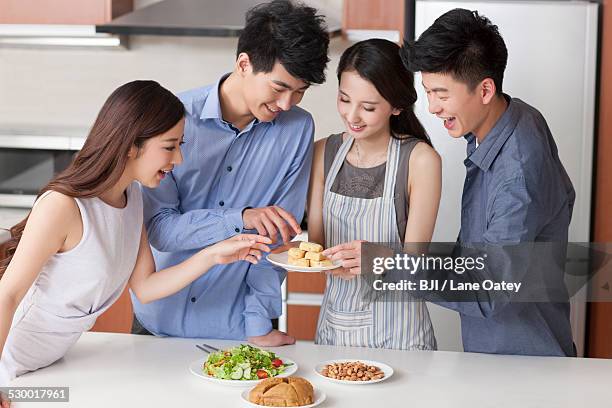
x: 348, y: 317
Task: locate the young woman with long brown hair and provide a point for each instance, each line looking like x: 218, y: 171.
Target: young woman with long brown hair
x: 84, y: 240
x: 378, y: 181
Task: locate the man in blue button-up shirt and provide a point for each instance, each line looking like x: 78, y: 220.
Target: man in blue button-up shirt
x: 247, y: 158
x: 516, y: 190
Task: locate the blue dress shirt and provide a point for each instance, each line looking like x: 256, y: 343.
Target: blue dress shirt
x: 201, y: 202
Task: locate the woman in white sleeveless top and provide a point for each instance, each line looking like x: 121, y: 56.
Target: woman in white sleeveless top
x: 84, y: 239
x: 379, y: 181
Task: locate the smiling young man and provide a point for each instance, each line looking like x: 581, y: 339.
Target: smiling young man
x: 247, y: 159
x: 516, y: 190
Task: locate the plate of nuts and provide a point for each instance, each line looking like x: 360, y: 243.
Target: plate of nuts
x: 354, y: 372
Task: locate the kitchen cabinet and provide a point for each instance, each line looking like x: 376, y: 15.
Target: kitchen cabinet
x: 81, y: 12
x: 367, y: 15
x: 306, y: 282
x: 302, y: 321
x: 304, y: 294
x: 118, y: 318
x: 599, y: 337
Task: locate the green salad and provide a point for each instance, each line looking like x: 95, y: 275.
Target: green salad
x: 244, y: 363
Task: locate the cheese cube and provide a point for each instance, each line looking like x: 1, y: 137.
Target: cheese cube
x: 314, y: 256
x: 311, y: 247
x: 296, y: 253
x: 299, y: 262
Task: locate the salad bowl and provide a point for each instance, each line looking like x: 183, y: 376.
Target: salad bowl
x: 242, y: 366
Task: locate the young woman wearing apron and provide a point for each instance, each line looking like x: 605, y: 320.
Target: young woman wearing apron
x: 377, y: 182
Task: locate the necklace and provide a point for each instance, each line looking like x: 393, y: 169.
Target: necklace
x: 363, y: 165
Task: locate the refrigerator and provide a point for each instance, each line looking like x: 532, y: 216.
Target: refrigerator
x: 552, y: 60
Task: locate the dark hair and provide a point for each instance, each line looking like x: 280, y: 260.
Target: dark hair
x: 378, y: 62
x: 292, y: 34
x: 461, y: 43
x: 132, y: 114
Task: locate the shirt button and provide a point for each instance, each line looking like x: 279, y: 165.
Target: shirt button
x: 221, y: 203
x: 193, y: 300
x: 229, y: 168
x: 237, y: 230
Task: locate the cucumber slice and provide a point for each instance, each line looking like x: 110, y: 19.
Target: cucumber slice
x: 247, y: 374
x: 237, y: 373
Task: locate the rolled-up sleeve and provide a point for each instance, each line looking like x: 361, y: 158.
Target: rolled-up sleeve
x: 171, y: 230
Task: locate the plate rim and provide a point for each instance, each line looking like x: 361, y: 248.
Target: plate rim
x: 295, y: 268
x: 316, y: 402
x: 344, y: 360
x: 238, y: 383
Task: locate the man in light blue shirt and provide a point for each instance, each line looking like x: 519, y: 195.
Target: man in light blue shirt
x: 247, y: 158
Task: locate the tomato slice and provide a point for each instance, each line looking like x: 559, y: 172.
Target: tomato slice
x: 277, y: 362
x: 261, y: 374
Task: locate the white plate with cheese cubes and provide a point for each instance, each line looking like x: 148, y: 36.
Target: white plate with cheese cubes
x: 306, y: 258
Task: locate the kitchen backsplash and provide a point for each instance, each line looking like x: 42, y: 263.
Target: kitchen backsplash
x: 66, y: 87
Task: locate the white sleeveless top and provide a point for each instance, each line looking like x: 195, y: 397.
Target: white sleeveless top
x: 76, y: 286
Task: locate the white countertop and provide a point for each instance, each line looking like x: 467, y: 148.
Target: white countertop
x: 122, y: 370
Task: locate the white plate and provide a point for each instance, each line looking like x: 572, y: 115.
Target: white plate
x: 384, y: 367
x: 282, y: 259
x: 319, y: 397
x: 197, y: 368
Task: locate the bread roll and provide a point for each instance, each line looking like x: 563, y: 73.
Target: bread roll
x: 303, y: 389
x: 282, y: 392
x: 318, y: 264
x: 311, y: 247
x: 256, y: 394
x: 281, y: 395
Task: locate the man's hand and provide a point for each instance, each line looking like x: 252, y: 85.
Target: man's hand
x: 273, y: 339
x: 350, y: 255
x: 269, y: 221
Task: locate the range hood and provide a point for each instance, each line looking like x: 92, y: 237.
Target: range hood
x: 211, y: 18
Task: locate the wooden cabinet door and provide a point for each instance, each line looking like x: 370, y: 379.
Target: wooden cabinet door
x: 118, y: 318
x: 306, y: 282
x: 599, y: 336
x: 84, y: 12
x: 373, y: 15
x: 302, y: 321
